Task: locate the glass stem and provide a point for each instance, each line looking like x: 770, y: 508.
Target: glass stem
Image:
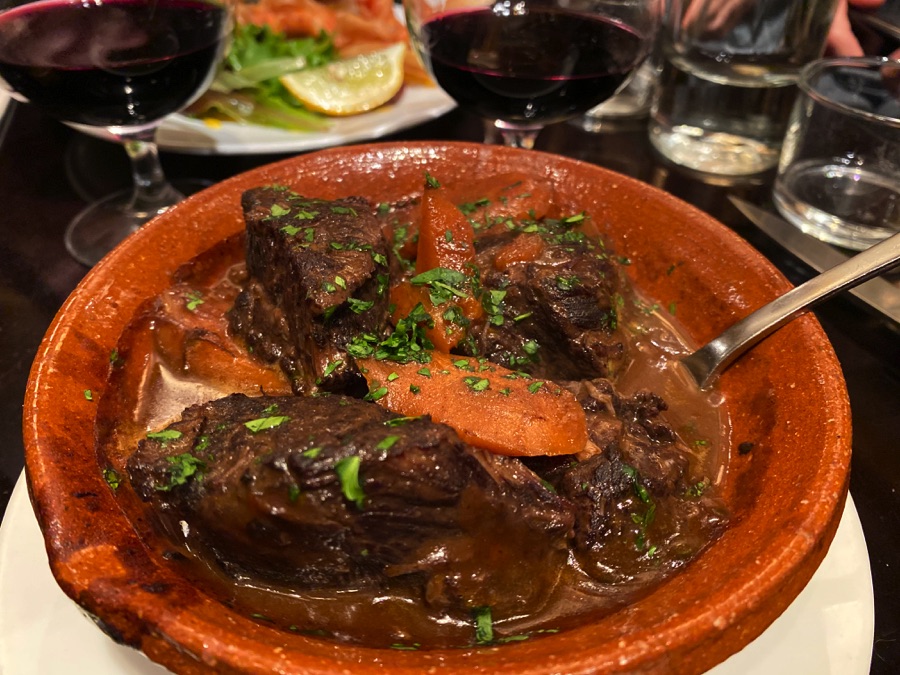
x: 513, y: 136
x: 152, y: 191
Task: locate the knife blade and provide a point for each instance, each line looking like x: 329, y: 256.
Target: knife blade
x: 877, y: 293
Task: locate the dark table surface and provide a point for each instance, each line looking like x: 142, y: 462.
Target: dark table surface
x: 48, y: 171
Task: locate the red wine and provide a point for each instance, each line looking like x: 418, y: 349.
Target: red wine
x: 542, y: 66
x: 115, y: 63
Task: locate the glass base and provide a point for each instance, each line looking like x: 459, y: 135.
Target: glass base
x: 713, y: 152
x: 851, y: 207
x: 103, y: 225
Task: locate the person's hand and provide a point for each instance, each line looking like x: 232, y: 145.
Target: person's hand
x: 841, y: 40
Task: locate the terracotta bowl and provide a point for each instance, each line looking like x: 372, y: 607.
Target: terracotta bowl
x: 786, y: 397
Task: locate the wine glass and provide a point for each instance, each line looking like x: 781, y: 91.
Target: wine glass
x: 120, y: 66
x: 523, y: 64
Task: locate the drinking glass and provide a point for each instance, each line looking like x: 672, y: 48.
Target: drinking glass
x: 120, y: 66
x: 523, y: 64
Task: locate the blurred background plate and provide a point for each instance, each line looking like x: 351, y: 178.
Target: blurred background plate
x: 184, y: 134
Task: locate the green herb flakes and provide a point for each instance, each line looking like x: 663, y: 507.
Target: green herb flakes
x: 263, y: 423
x: 360, y: 306
x: 193, y: 299
x: 164, y: 436
x: 331, y: 367
x: 484, y: 627
x: 182, y: 468
x: 88, y: 395
x: 278, y: 210
x: 376, y: 394
x: 347, y: 470
x: 111, y: 476
x: 477, y: 384
x: 387, y: 443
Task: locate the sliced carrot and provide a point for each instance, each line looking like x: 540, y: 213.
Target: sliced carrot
x: 524, y: 248
x: 489, y: 406
x: 447, y: 331
x: 509, y: 196
x: 445, y: 235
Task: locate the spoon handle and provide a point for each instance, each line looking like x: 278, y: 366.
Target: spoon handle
x: 711, y: 359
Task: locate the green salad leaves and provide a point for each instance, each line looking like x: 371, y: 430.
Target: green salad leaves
x: 247, y: 89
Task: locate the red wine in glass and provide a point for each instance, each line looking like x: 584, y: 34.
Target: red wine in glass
x: 122, y: 65
x: 545, y: 66
x: 522, y: 65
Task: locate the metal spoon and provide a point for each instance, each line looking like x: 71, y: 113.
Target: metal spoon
x: 709, y: 361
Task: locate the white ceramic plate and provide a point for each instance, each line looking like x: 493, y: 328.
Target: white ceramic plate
x: 827, y: 630
x: 179, y: 133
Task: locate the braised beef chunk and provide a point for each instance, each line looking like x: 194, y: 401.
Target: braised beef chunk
x: 638, y: 511
x: 335, y: 492
x: 561, y: 297
x: 317, y: 277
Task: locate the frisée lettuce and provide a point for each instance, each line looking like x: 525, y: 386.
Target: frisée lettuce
x: 247, y: 89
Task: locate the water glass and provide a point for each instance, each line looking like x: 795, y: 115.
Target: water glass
x: 839, y: 174
x: 728, y: 79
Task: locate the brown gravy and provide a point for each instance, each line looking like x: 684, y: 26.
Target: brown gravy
x: 177, y: 352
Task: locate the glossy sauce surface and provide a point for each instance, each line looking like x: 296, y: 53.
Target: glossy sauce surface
x: 177, y: 352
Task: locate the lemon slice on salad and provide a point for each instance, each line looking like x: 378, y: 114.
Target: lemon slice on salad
x: 350, y: 86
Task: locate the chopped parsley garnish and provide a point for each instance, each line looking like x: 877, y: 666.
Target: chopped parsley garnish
x: 278, y: 210
x: 347, y: 470
x: 165, y: 435
x: 476, y: 383
x: 331, y: 367
x: 431, y: 182
x: 376, y: 394
x: 407, y: 342
x: 343, y: 210
x: 534, y: 386
x: 359, y: 306
x: 294, y: 492
x: 183, y: 467
x: 645, y: 519
x: 698, y: 488
x: 398, y: 421
x: 386, y: 443
x: 443, y: 284
x: 567, y: 283
x: 491, y: 301
x: 484, y: 626
x: 193, y: 299
x: 414, y: 389
x: 88, y: 395
x: 312, y: 453
x: 263, y: 423
x: 111, y: 476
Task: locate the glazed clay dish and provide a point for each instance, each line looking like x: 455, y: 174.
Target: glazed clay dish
x: 786, y: 404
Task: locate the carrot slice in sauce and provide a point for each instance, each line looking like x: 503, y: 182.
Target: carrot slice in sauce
x: 489, y: 406
x: 445, y: 235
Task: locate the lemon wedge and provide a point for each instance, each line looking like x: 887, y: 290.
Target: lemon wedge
x: 350, y: 86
